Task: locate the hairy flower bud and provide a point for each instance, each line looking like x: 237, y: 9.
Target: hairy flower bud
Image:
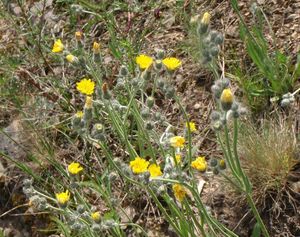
x: 226, y: 99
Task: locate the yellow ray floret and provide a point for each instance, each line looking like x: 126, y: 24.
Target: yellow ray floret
x: 58, y: 46
x: 86, y: 86
x: 192, y: 126
x: 75, y: 168
x: 206, y: 18
x: 171, y: 63
x: 63, y: 198
x: 154, y: 170
x: 226, y: 96
x: 199, y: 164
x: 144, y: 61
x: 179, y: 192
x: 139, y: 165
x: 177, y: 141
x: 96, y: 216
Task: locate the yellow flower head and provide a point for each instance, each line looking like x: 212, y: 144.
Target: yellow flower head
x: 171, y: 63
x: 86, y: 86
x: 179, y: 192
x: 96, y: 47
x: 177, y: 141
x: 63, y: 198
x: 78, y: 35
x: 206, y: 18
x: 192, y: 126
x: 226, y: 96
x: 88, y: 102
x: 74, y: 168
x: 199, y: 164
x: 154, y: 170
x: 71, y: 58
x: 139, y: 165
x: 178, y: 158
x: 96, y: 216
x: 58, y: 46
x: 222, y: 164
x: 79, y: 114
x: 144, y: 61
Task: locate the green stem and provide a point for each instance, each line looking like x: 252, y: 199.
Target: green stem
x: 257, y: 215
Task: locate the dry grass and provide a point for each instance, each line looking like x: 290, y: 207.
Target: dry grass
x: 268, y: 155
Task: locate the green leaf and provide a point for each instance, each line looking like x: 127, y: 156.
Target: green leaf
x: 256, y: 230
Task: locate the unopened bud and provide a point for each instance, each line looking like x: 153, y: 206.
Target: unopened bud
x: 78, y: 35
x: 150, y: 101
x: 226, y: 99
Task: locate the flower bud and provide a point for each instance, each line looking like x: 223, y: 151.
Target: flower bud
x: 160, y: 54
x: 146, y: 75
x: 226, y: 99
x: 145, y: 113
x: 222, y: 164
x: 202, y: 29
x: 217, y: 91
x: 150, y: 102
x: 216, y: 171
x: 123, y: 71
x: 96, y: 228
x: 160, y: 84
x: 214, y: 51
x: 96, y: 48
x: 78, y: 35
x: 98, y: 132
x: 206, y: 18
x: 217, y: 126
x: 80, y: 209
x: 215, y: 115
x: 105, y: 91
x: 72, y: 59
x: 170, y: 92
x: 219, y: 39
x: 149, y: 125
x: 213, y: 162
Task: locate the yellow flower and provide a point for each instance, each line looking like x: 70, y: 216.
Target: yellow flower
x: 192, y: 126
x: 144, y: 61
x: 88, y: 102
x: 79, y: 114
x: 171, y: 63
x: 96, y: 216
x: 199, y: 164
x: 222, y: 164
x: 86, y: 86
x: 226, y: 96
x: 63, y: 198
x: 96, y: 47
x: 206, y: 18
x: 177, y: 141
x: 58, y: 46
x: 139, y: 165
x: 71, y: 58
x: 74, y: 168
x: 178, y: 158
x: 154, y: 170
x: 78, y: 35
x: 179, y: 192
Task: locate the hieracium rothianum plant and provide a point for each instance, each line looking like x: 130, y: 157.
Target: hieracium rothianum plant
x: 205, y: 42
x: 127, y: 133
x: 229, y: 111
